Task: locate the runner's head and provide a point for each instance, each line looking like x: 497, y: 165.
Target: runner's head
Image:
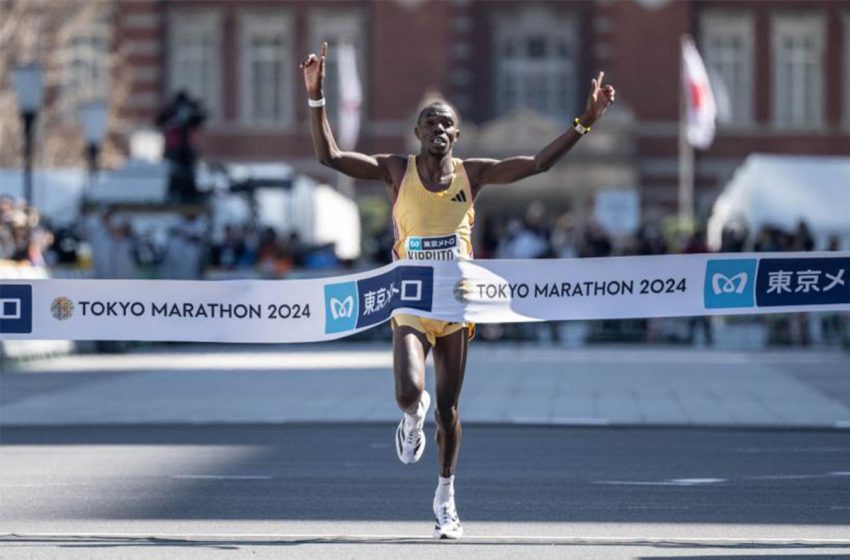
x: 437, y: 128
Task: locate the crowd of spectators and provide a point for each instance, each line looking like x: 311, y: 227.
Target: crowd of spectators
x: 113, y: 249
x: 535, y: 236
x: 268, y: 252
x: 23, y: 237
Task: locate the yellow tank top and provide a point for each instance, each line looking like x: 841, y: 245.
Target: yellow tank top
x: 433, y: 225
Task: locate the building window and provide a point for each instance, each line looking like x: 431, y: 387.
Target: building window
x: 194, y: 60
x: 86, y: 66
x: 337, y: 27
x: 536, y: 53
x: 267, y: 69
x: 727, y: 45
x: 798, y: 48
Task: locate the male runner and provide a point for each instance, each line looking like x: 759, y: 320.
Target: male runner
x: 432, y: 195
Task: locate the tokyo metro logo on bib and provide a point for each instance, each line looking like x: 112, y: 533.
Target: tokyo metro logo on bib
x: 730, y: 283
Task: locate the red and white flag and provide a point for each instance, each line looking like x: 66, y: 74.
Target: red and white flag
x: 700, y: 107
x: 350, y: 97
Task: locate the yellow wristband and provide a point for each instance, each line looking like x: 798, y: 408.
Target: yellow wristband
x: 580, y: 128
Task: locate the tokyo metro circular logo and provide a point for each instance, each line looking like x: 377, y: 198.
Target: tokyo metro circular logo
x: 62, y: 308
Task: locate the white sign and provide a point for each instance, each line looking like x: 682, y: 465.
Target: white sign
x: 494, y: 291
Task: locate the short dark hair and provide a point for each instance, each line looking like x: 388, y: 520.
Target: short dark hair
x: 438, y: 103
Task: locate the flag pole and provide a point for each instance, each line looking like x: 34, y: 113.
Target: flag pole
x: 686, y: 151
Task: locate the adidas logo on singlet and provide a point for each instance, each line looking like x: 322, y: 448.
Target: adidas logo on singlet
x: 459, y: 197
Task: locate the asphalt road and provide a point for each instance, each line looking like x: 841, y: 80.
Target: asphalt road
x: 338, y: 491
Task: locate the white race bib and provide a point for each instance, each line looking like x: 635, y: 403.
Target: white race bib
x: 441, y: 248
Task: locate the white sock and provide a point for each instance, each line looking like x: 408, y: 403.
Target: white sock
x: 445, y: 490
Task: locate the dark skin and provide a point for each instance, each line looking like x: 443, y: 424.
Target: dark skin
x: 438, y: 131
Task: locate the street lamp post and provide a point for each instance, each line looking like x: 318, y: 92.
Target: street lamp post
x: 93, y: 116
x: 29, y: 89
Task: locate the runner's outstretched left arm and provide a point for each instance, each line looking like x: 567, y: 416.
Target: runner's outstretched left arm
x: 490, y: 171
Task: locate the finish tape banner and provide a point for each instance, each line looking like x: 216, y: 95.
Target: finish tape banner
x: 488, y: 291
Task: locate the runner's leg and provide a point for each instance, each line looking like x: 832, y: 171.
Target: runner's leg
x: 449, y: 367
x: 410, y: 347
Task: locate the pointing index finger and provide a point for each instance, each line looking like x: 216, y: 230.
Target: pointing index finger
x: 324, y: 49
x: 599, y: 78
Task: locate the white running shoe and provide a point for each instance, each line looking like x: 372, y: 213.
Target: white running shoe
x: 409, y: 437
x: 447, y: 522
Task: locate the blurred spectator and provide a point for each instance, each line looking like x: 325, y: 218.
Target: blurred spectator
x: 250, y: 246
x: 834, y: 325
x: 596, y: 242
x: 122, y: 259
x: 228, y: 254
x: 650, y: 240
x: 733, y: 239
x: 563, y: 242
x: 384, y: 246
x: 489, y: 245
x: 183, y: 250
x: 23, y: 238
x: 696, y: 244
x: 180, y: 121
x: 803, y: 239
x: 833, y: 243
x: 529, y: 238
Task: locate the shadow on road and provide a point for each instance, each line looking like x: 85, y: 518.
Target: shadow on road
x: 506, y: 474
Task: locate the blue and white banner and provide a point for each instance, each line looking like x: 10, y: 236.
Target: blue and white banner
x: 488, y: 291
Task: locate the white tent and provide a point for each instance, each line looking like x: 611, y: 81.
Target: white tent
x: 781, y: 191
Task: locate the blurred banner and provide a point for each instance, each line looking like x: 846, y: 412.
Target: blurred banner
x: 350, y: 97
x: 488, y: 291
x: 701, y: 110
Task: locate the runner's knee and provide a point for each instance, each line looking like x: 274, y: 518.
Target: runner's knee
x: 408, y: 395
x: 446, y: 416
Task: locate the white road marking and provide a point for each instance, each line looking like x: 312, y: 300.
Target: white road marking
x: 389, y: 538
x: 221, y: 477
x: 560, y: 421
x: 670, y: 482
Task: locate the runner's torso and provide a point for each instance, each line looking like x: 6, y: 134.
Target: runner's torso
x: 433, y: 225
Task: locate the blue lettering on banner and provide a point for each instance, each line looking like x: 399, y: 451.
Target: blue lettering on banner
x: 404, y: 286
x: 340, y: 307
x: 729, y: 283
x: 15, y: 308
x: 807, y: 281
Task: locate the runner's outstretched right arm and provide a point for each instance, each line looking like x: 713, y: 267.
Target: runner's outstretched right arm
x: 353, y: 164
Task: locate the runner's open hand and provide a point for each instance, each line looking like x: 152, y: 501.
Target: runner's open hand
x: 601, y: 97
x: 314, y: 72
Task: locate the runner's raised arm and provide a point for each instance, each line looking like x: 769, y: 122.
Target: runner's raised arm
x: 491, y: 171
x: 353, y: 164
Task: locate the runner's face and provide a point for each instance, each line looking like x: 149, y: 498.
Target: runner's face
x: 437, y: 130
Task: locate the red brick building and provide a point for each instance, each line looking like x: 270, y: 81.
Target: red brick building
x: 784, y: 67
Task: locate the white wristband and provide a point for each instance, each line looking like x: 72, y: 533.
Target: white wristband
x: 316, y: 102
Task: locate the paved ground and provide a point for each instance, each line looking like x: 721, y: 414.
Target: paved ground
x: 337, y: 491
x: 264, y: 452
x: 504, y: 384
